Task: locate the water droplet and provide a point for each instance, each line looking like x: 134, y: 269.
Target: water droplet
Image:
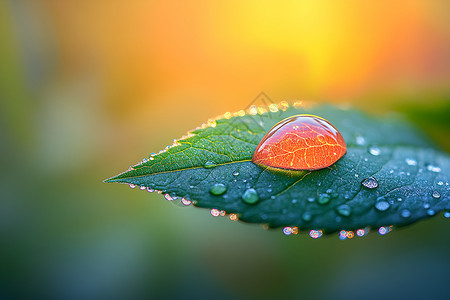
x: 316, y: 142
x: 269, y: 190
x: 344, y: 210
x: 383, y: 230
x: 150, y: 190
x: 360, y: 140
x: 426, y: 205
x: 370, y: 183
x: 329, y: 191
x: 436, y: 195
x: 209, y: 164
x: 361, y: 232
x: 168, y: 197
x: 433, y: 168
x: 250, y: 196
x: 235, y: 173
x: 382, y: 205
x: 132, y: 185
x: 374, y: 150
x: 440, y: 183
x: 315, y: 234
x: 411, y: 162
x: 323, y: 199
x: 447, y: 214
x: 307, y: 217
x: 272, y: 197
x: 310, y: 199
x: 142, y: 187
x: 144, y: 161
x: 215, y: 212
x: 186, y: 201
x: 287, y: 230
x: 294, y: 201
x: 430, y: 212
x: 405, y: 213
x: 218, y: 189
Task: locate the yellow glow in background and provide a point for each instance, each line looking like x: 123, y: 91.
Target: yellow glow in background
x: 88, y: 87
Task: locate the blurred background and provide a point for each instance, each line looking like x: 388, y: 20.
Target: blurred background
x: 89, y: 87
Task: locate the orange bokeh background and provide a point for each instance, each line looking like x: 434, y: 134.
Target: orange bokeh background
x: 88, y: 87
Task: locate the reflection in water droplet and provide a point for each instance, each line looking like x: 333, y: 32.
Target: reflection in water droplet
x: 209, y: 164
x: 344, y: 210
x: 250, y: 196
x: 381, y: 204
x: 370, y: 183
x: 324, y: 199
x: 235, y: 173
x: 436, y: 195
x: 218, y: 189
x: 405, y: 213
x: 374, y: 150
x: 432, y: 168
x: 313, y: 141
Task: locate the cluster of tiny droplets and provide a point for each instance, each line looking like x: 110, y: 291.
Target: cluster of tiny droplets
x: 184, y: 201
x: 216, y: 213
x: 290, y: 230
x: 348, y: 234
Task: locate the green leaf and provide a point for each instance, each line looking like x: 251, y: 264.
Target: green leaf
x: 413, y: 178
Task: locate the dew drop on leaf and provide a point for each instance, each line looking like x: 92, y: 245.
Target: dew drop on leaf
x: 374, y: 150
x: 430, y: 212
x: 250, y: 196
x: 436, y: 195
x: 209, y: 164
x: 235, y: 173
x: 344, y: 210
x: 447, y: 214
x: 324, y: 199
x: 405, y: 213
x: 411, y: 162
x: 301, y: 142
x: 382, y: 205
x: 360, y: 140
x: 370, y: 183
x: 433, y: 168
x: 218, y: 189
x: 307, y: 217
x: 132, y: 185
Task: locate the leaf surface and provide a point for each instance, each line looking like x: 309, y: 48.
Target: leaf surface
x: 412, y: 176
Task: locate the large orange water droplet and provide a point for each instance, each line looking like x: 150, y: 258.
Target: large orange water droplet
x: 301, y: 142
